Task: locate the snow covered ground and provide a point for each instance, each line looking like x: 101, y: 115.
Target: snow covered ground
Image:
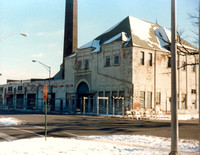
x: 98, y: 145
x: 180, y: 117
x: 7, y: 121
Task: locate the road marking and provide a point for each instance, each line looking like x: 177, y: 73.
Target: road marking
x: 27, y: 131
x: 69, y: 133
x: 7, y: 137
x: 38, y: 127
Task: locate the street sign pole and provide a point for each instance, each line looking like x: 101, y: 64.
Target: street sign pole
x: 45, y: 92
x: 45, y: 120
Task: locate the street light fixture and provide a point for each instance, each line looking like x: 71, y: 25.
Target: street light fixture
x: 47, y: 67
x: 10, y: 35
x: 24, y: 34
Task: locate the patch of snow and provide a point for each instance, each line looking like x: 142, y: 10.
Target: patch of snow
x: 140, y: 28
x: 168, y: 32
x: 162, y: 37
x: 115, y: 144
x: 96, y: 45
x: 124, y: 37
x: 185, y: 46
x: 9, y: 121
x: 180, y: 117
x: 128, y: 39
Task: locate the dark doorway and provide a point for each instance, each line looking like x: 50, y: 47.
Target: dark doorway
x: 20, y: 101
x: 31, y: 101
x: 82, y: 91
x: 10, y: 102
x: 52, y: 102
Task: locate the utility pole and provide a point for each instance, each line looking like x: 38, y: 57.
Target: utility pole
x: 174, y: 115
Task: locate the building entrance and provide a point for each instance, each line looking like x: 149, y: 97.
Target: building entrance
x: 82, y: 91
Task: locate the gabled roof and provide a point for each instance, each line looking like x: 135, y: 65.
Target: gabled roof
x: 135, y: 32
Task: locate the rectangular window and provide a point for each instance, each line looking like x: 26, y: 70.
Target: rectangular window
x: 107, y: 61
x: 107, y: 94
x: 142, y: 99
x: 142, y: 58
x: 19, y: 88
x: 193, y: 91
x: 114, y: 93
x: 1, y: 88
x: 86, y: 64
x: 149, y: 100
x: 116, y: 59
x: 158, y: 98
x: 79, y: 64
x: 169, y: 62
x: 150, y: 59
x: 9, y: 88
x: 100, y: 94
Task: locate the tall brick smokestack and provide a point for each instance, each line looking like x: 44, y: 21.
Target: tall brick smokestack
x: 71, y: 29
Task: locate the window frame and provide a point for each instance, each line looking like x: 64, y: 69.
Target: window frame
x: 20, y: 88
x: 107, y: 63
x: 87, y: 63
x: 79, y: 64
x: 116, y: 61
x: 10, y: 89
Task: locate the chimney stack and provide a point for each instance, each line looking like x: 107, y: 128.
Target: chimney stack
x: 71, y: 30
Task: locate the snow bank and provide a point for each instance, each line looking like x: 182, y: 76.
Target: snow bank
x: 9, y: 121
x: 180, y: 117
x: 115, y: 144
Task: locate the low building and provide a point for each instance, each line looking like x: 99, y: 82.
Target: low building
x: 127, y: 67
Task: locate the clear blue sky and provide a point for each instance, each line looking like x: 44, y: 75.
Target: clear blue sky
x: 43, y: 20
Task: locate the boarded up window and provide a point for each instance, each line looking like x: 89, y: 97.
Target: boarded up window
x: 142, y: 99
x: 149, y: 100
x: 158, y: 98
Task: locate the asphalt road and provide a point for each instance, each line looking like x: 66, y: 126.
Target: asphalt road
x: 78, y: 125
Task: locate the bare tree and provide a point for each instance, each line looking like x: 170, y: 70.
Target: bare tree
x: 195, y: 22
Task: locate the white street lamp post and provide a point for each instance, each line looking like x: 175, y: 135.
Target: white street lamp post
x: 49, y: 69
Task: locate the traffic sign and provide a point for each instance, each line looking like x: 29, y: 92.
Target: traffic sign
x: 45, y: 92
